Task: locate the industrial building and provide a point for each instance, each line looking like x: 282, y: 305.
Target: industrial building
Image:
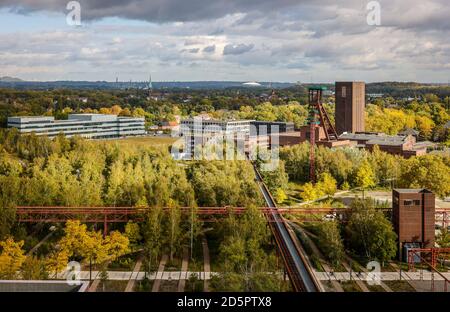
x: 350, y: 107
x: 93, y: 126
x: 271, y: 127
x: 413, y: 217
x: 403, y: 145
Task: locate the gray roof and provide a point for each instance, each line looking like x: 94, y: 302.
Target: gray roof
x: 424, y: 144
x: 408, y: 131
x: 375, y: 138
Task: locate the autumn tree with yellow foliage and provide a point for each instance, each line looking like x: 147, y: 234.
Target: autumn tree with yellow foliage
x: 88, y: 245
x: 11, y: 258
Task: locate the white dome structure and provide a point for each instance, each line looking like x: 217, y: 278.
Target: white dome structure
x: 252, y: 84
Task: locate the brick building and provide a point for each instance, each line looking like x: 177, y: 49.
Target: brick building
x: 350, y: 106
x: 413, y: 217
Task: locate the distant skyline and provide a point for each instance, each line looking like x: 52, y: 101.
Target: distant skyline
x: 226, y: 40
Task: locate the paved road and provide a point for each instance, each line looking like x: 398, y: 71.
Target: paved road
x: 339, y: 276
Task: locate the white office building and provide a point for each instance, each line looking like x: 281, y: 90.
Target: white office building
x: 93, y: 126
x: 201, y: 132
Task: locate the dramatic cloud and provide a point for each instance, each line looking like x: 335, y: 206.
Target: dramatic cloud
x: 431, y: 14
x: 289, y: 40
x: 154, y: 10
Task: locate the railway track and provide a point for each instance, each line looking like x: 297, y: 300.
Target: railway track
x: 299, y: 271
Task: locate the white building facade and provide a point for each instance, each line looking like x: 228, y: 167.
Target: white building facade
x: 92, y: 126
x: 206, y: 133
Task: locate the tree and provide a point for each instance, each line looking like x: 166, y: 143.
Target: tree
x: 310, y: 192
x: 369, y: 233
x: 429, y: 171
x: 34, y: 268
x: 228, y: 281
x: 365, y: 177
x: 104, y: 276
x: 11, y: 258
x: 327, y: 184
x: 116, y: 245
x: 173, y: 231
x: 280, y: 196
x: 132, y: 232
x: 10, y: 187
x: 443, y: 238
x: 195, y: 228
x: 152, y: 234
x: 276, y: 179
x: 57, y: 261
x: 244, y: 261
x: 90, y: 245
x: 330, y: 242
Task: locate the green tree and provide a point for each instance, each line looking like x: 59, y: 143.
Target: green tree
x: 429, y: 171
x: 173, y: 233
x: 330, y: 242
x: 152, y: 233
x: 369, y: 233
x: 443, y: 238
x: 132, y: 232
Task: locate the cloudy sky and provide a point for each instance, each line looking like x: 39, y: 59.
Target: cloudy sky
x: 262, y: 40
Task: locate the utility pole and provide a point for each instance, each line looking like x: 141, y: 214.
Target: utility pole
x: 192, y: 233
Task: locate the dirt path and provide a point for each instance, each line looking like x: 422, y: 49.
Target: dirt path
x: 94, y: 284
x: 184, y: 268
x: 206, y: 264
x: 136, y: 269
x: 160, y: 271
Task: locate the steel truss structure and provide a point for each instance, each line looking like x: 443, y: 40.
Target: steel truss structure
x: 429, y: 256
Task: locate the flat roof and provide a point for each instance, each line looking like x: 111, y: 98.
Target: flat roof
x: 322, y: 88
x: 215, y: 120
x: 273, y: 122
x: 409, y: 191
x: 375, y: 138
